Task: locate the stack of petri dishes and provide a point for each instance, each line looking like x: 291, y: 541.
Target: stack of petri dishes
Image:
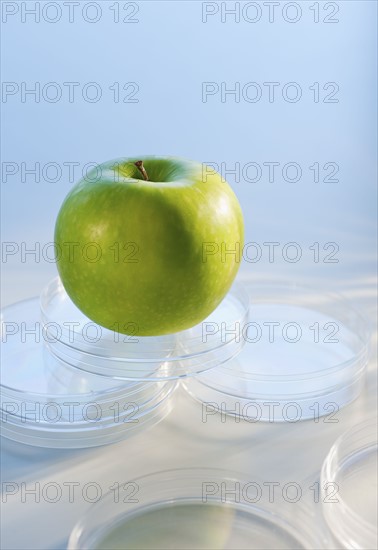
x: 305, y: 356
x: 69, y: 383
x: 270, y: 352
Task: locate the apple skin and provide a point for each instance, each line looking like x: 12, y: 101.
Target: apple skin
x: 157, y: 265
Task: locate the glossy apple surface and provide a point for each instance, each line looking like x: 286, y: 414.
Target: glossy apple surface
x: 149, y: 257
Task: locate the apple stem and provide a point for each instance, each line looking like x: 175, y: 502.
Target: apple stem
x: 141, y: 168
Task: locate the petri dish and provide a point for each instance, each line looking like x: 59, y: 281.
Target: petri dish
x: 349, y: 485
x: 305, y: 356
x: 45, y: 402
x: 76, y: 340
x: 188, y: 509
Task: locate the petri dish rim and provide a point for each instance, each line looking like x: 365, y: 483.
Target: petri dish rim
x: 332, y: 296
x: 55, y: 287
x: 333, y: 466
x: 90, y: 436
x: 178, y: 481
x: 154, y: 358
x: 335, y: 378
x: 37, y: 395
x: 149, y: 402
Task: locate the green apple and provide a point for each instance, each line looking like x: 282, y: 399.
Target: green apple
x: 149, y: 246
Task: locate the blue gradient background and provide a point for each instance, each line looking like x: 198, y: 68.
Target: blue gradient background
x: 169, y: 53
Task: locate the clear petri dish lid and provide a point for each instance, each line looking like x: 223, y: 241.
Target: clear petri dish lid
x: 79, y: 342
x: 191, y: 509
x: 304, y: 356
x: 46, y: 402
x: 349, y: 484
